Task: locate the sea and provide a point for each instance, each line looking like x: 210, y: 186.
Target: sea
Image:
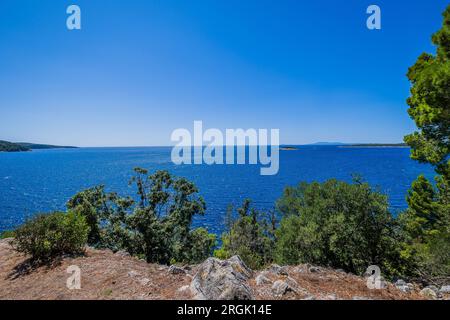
x: 43, y: 180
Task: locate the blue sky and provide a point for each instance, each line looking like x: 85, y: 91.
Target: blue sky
x: 139, y: 69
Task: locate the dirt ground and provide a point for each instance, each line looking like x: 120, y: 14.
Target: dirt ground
x: 105, y: 275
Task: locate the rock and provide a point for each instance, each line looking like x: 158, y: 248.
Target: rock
x: 299, y: 269
x: 445, y: 290
x: 262, y: 279
x: 184, y: 290
x: 280, y: 287
x: 222, y: 280
x: 428, y: 293
x: 361, y: 298
x: 144, y: 281
x: 176, y: 270
x: 311, y: 297
x: 276, y: 269
x: 403, y: 286
x: 292, y: 283
x: 122, y: 253
x: 133, y: 274
x: 330, y: 297
x: 314, y: 269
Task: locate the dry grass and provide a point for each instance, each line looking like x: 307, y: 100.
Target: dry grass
x: 105, y: 275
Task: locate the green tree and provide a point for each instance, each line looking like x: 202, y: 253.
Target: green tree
x: 337, y: 224
x: 105, y: 213
x: 427, y: 220
x: 156, y: 227
x: 430, y: 100
x: 249, y: 235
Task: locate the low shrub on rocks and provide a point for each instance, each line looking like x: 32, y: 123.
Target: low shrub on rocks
x: 47, y: 236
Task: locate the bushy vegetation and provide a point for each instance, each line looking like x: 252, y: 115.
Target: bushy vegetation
x: 156, y: 227
x: 249, y: 235
x: 47, y: 236
x: 426, y: 223
x: 6, y: 146
x: 7, y: 234
x: 336, y: 224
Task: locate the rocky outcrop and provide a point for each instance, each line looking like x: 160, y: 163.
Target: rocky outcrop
x: 222, y: 280
x: 403, y: 286
x: 176, y: 270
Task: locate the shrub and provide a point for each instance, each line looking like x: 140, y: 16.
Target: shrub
x: 337, y: 224
x: 200, y: 245
x: 47, y: 236
x: 7, y: 234
x: 156, y: 227
x: 250, y: 236
x: 426, y: 231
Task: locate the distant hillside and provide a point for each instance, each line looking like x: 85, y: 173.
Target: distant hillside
x: 42, y: 146
x: 322, y: 143
x: 377, y: 145
x: 6, y: 146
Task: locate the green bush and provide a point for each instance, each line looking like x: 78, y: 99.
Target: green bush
x: 7, y: 234
x: 250, y: 236
x: 426, y: 231
x: 156, y: 227
x: 200, y: 245
x: 47, y: 236
x: 339, y: 225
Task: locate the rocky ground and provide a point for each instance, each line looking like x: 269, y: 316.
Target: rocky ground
x: 108, y: 275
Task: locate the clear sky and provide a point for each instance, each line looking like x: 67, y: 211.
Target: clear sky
x: 138, y: 69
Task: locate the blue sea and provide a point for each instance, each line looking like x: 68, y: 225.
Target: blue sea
x: 43, y: 180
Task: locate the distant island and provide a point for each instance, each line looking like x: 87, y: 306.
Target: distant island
x: 376, y: 145
x: 6, y: 146
x: 326, y: 143
x: 288, y: 148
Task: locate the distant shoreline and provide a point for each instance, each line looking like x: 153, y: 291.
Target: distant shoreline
x: 376, y: 145
x: 6, y: 146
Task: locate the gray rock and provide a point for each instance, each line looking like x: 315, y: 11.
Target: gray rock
x: 122, y: 253
x: 428, y: 293
x: 280, y: 288
x: 133, y: 274
x: 310, y: 297
x: 403, y: 286
x: 276, y: 269
x: 262, y: 279
x: 222, y: 280
x: 184, y: 290
x: 292, y: 283
x: 314, y: 269
x: 176, y: 270
x: 144, y: 281
x: 361, y: 298
x: 444, y: 290
x: 299, y: 269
